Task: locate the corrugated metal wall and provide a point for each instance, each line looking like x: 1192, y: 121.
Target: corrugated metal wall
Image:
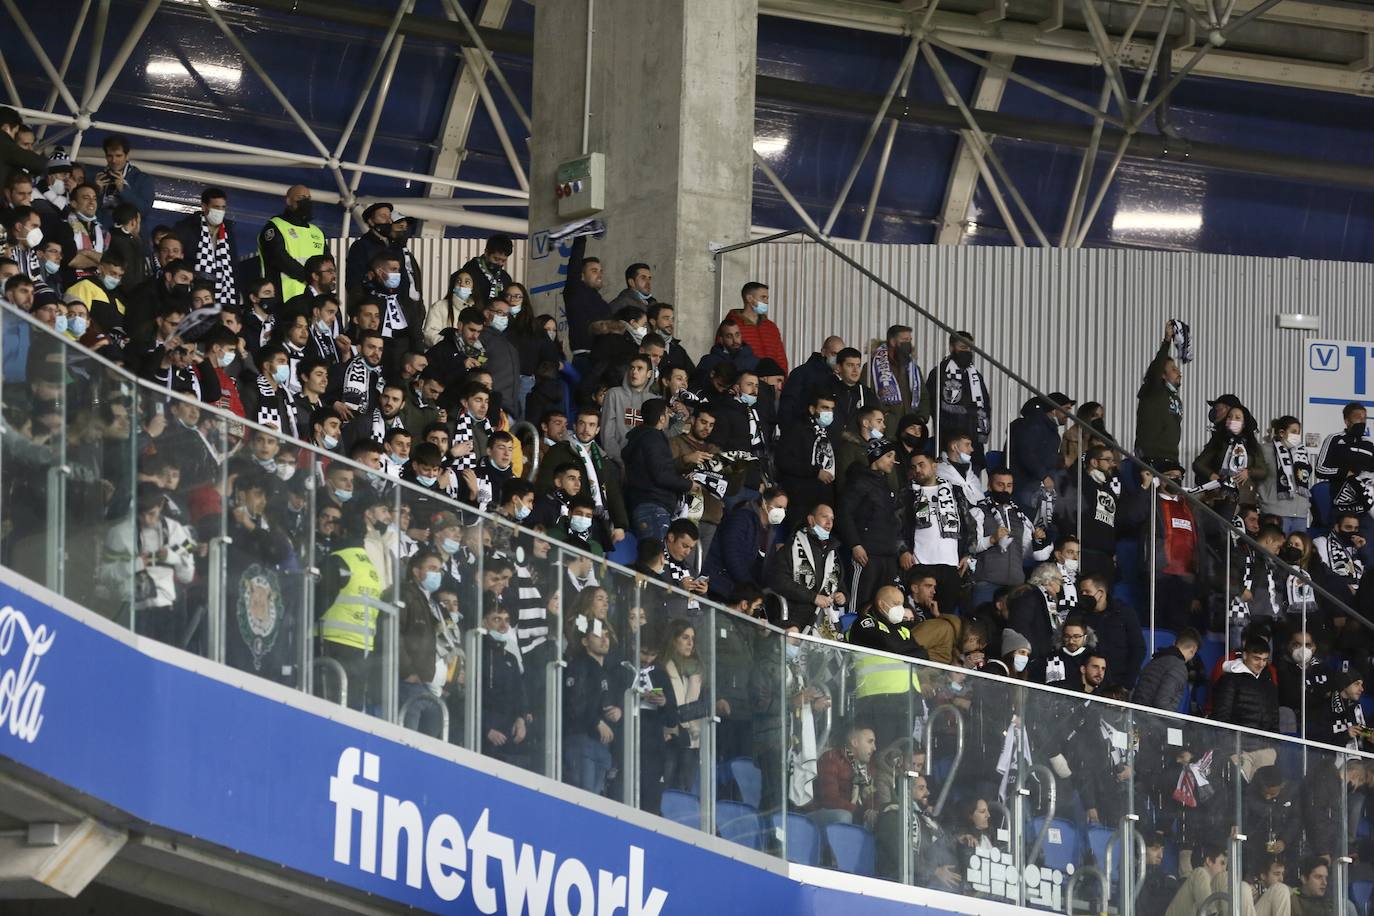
x: 438, y: 258
x: 1084, y: 322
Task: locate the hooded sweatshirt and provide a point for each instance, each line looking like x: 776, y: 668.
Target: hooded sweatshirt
x: 621, y: 413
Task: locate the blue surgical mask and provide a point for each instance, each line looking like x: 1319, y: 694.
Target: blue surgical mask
x: 822, y: 534
x: 51, y: 267
x: 282, y: 373
x: 322, y: 326
x: 760, y: 308
x: 522, y: 513
x: 825, y: 418
x: 464, y: 293
x: 748, y: 400
x: 500, y: 322
x: 227, y: 359
x: 393, y: 280
x: 580, y: 523
x: 875, y: 434
x: 962, y: 458
x: 60, y: 324
x: 793, y: 651
x: 450, y: 546
x: 110, y: 283
x: 431, y: 582
x: 77, y: 325
x: 330, y: 441
x: 343, y: 496
x: 426, y: 481
x: 395, y: 459
x: 516, y: 310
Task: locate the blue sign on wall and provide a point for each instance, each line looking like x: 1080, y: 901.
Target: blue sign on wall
x: 235, y: 767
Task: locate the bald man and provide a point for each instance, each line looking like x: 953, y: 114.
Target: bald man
x: 287, y: 241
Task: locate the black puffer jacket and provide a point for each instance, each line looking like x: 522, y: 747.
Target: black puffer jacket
x: 870, y: 514
x: 1244, y: 699
x: 649, y: 474
x: 1163, y: 682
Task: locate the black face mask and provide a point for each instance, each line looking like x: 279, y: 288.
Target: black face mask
x: 999, y: 497
x: 1290, y: 554
x: 963, y: 358
x: 383, y: 229
x: 905, y: 348
x: 268, y: 305
x: 1357, y: 430
x: 303, y: 211
x: 913, y: 442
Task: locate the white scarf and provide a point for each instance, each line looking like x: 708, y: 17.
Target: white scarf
x: 827, y: 580
x: 1295, y: 470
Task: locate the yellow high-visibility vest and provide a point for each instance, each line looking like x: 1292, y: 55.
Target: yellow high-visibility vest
x: 352, y: 619
x: 301, y: 242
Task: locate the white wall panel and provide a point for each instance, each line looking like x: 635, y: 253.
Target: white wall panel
x: 1084, y: 322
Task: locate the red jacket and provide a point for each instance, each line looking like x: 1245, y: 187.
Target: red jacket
x: 835, y: 785
x: 763, y: 338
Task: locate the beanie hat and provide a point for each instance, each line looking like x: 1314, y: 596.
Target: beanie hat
x: 1012, y: 640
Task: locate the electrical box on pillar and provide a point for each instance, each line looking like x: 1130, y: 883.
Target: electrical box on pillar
x: 581, y: 186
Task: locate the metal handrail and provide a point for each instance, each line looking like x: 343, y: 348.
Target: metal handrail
x: 1218, y: 897
x: 532, y: 457
x: 1082, y: 871
x: 325, y: 662
x: 1051, y: 800
x: 958, y: 717
x: 422, y: 698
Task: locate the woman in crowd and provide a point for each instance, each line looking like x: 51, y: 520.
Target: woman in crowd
x: 444, y: 312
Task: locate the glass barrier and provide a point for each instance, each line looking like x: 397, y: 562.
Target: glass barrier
x: 228, y: 540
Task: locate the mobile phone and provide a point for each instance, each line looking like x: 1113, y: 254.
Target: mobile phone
x: 159, y: 409
x: 657, y: 692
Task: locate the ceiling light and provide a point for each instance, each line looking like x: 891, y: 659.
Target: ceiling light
x: 769, y: 146
x: 1156, y: 221
x: 169, y: 68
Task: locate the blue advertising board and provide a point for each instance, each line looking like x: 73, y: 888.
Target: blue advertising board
x: 239, y: 763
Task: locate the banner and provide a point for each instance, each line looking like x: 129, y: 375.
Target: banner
x: 1334, y: 373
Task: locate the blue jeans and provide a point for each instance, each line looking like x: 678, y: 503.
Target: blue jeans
x: 422, y: 717
x: 1293, y: 524
x: 982, y: 592
x: 650, y: 520
x: 526, y: 386
x: 586, y: 761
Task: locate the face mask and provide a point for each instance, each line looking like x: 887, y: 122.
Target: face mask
x: 226, y: 359
x: 1097, y: 475
x: 553, y: 335
x: 430, y: 583
x: 303, y: 210
x: 286, y: 471
x: 330, y: 441
x: 463, y: 293
x: 450, y: 546
x: 905, y: 348
x: 90, y: 219
x: 776, y: 515
x: 1290, y: 554
x: 1302, y: 655
x: 793, y: 652
x: 51, y: 267
x: 875, y: 434
x: 821, y: 534
x: 748, y: 400
x: 1294, y: 440
x: 426, y: 481
x: 580, y: 523
x: 60, y: 324
x: 322, y: 326
x: 914, y: 443
x: 57, y: 186
x: 383, y: 229
x: 34, y: 237
x: 522, y: 513
x: 1070, y: 567
x: 267, y: 305
x: 343, y: 496
x: 999, y: 497
x: 392, y: 280
x: 1234, y: 426
x: 1358, y: 430
x: 516, y: 310
x: 268, y: 464
x: 962, y: 458
x: 77, y: 325
x: 395, y: 459
x: 638, y: 334
x: 760, y: 308
x: 281, y: 374
x: 825, y: 418
x: 214, y: 217
x: 963, y: 358
x: 110, y: 283
x: 832, y: 361
x: 500, y: 322
x: 895, y: 614
x: 1019, y: 662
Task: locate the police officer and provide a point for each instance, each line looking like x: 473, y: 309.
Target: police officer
x: 350, y: 589
x: 287, y: 241
x: 888, y: 695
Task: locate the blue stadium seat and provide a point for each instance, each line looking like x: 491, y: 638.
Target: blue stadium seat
x: 626, y: 552
x: 1062, y: 842
x: 996, y: 460
x: 803, y: 838
x: 1170, y: 863
x: 1098, y: 837
x: 1321, y: 504
x: 681, y: 808
x: 1360, y: 892
x: 846, y: 621
x: 852, y: 847
x: 748, y: 779
x: 1210, y: 652
x: 739, y: 823
x: 1163, y: 638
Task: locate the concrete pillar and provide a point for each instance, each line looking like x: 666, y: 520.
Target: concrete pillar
x: 672, y: 108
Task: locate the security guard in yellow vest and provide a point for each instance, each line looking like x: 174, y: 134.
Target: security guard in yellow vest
x: 888, y: 692
x: 286, y: 241
x: 350, y: 589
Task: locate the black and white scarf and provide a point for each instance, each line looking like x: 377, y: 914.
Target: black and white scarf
x: 952, y: 395
x: 1356, y: 494
x: 275, y: 408
x: 1300, y: 595
x: 825, y: 581
x: 1295, y: 470
x: 1341, y: 560
x: 362, y: 384
x: 214, y: 261
x: 941, y: 511
x: 322, y: 346
x: 1182, y: 337
x: 1234, y: 459
x: 822, y: 450
x: 464, y: 430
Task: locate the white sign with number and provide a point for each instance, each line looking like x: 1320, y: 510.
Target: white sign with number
x: 1335, y: 373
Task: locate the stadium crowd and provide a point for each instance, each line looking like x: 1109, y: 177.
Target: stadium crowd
x: 854, y: 497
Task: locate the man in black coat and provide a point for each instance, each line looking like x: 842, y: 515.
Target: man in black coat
x: 488, y: 270
x: 847, y: 388
x: 1164, y: 681
x: 504, y: 703
x: 1119, y: 638
x: 207, y: 242
x: 796, y: 391
x: 1246, y: 695
x: 652, y: 488
x: 582, y: 295
x: 805, y: 460
x: 871, y: 521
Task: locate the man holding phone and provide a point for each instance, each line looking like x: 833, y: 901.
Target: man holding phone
x: 121, y: 182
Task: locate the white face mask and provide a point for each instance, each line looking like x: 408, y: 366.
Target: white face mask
x: 1235, y: 426
x: 1019, y: 662
x: 1069, y: 567
x: 638, y: 333
x: 1302, y: 655
x: 895, y: 614
x: 57, y: 186
x: 1294, y: 440
x: 776, y: 515
x: 34, y: 237
x: 214, y: 216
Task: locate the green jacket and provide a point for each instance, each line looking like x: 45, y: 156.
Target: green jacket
x: 1159, y: 413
